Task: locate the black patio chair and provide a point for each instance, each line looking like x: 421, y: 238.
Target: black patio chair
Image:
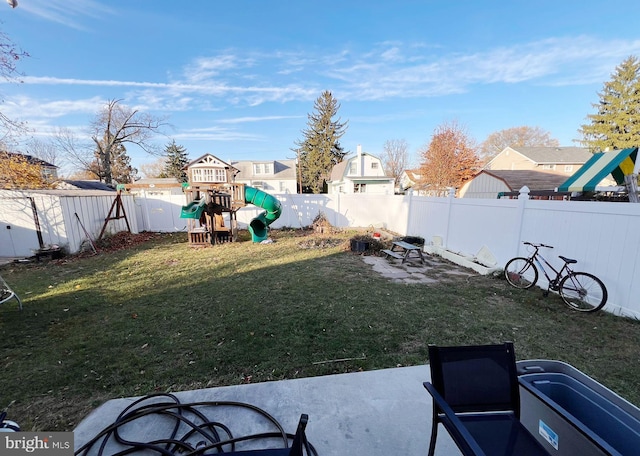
x: 476, y: 398
x: 296, y: 449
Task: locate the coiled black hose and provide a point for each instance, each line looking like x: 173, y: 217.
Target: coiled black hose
x: 193, y: 434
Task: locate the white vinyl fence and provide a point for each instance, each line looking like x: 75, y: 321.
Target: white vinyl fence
x: 60, y: 218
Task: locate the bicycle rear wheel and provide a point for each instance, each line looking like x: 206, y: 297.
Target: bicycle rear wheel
x: 521, y: 273
x: 583, y: 292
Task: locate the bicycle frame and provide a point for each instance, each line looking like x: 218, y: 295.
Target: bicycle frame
x: 581, y: 291
x: 553, y: 283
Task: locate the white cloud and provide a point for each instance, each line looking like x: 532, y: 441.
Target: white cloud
x: 257, y: 119
x: 216, y: 134
x: 390, y: 70
x: 32, y: 108
x: 68, y: 13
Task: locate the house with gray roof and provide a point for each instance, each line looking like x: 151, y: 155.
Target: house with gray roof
x: 271, y: 176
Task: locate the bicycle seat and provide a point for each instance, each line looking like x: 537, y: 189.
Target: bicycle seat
x: 567, y: 260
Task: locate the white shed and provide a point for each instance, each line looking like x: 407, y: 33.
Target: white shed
x: 35, y: 219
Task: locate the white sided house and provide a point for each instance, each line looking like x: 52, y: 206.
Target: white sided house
x: 362, y: 173
x: 408, y: 179
x: 271, y: 176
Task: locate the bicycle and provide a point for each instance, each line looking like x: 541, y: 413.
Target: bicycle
x: 580, y: 291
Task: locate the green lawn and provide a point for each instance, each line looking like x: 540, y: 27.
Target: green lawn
x: 163, y: 316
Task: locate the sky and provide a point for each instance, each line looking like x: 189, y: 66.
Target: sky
x: 239, y: 79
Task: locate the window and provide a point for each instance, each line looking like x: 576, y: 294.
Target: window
x: 548, y: 166
x: 359, y: 188
x: 374, y: 165
x: 283, y: 186
x: 209, y: 175
x: 568, y: 168
x: 353, y: 167
x: 262, y: 168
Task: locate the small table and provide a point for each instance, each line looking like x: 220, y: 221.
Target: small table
x: 404, y: 251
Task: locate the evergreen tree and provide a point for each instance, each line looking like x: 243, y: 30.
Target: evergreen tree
x: 177, y: 159
x: 320, y: 150
x: 120, y: 169
x: 616, y: 125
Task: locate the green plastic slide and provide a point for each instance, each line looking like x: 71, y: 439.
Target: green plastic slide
x: 259, y: 226
x: 193, y: 209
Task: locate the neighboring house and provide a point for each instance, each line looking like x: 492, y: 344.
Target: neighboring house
x: 491, y: 183
x: 271, y: 176
x: 49, y: 171
x: 209, y: 169
x: 562, y: 160
x: 408, y: 179
x: 362, y: 173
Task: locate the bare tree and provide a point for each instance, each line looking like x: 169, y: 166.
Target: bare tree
x: 10, y: 54
x: 116, y: 125
x: 523, y: 136
x: 154, y: 169
x: 395, y: 158
x: 74, y: 151
x: 45, y: 150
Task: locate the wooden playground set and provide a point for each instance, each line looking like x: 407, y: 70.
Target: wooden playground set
x: 205, y: 212
x: 208, y: 204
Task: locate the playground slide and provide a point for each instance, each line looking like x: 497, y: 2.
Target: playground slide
x: 258, y: 227
x: 193, y: 209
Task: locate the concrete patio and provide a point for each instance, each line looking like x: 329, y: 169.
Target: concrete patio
x: 370, y: 413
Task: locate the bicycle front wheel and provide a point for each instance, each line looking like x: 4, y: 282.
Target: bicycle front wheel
x: 583, y: 292
x: 521, y: 273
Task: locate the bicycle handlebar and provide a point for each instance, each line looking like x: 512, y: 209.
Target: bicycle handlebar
x: 538, y: 245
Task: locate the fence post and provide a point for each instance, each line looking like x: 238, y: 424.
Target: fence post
x: 450, y: 198
x: 408, y: 227
x: 523, y: 197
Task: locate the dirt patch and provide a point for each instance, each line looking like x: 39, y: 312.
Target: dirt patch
x: 120, y: 241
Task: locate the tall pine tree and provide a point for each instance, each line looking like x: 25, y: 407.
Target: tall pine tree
x: 120, y: 169
x: 320, y: 150
x: 616, y: 125
x: 177, y: 159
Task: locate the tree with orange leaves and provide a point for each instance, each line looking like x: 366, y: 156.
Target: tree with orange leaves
x: 448, y: 160
x: 18, y: 173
